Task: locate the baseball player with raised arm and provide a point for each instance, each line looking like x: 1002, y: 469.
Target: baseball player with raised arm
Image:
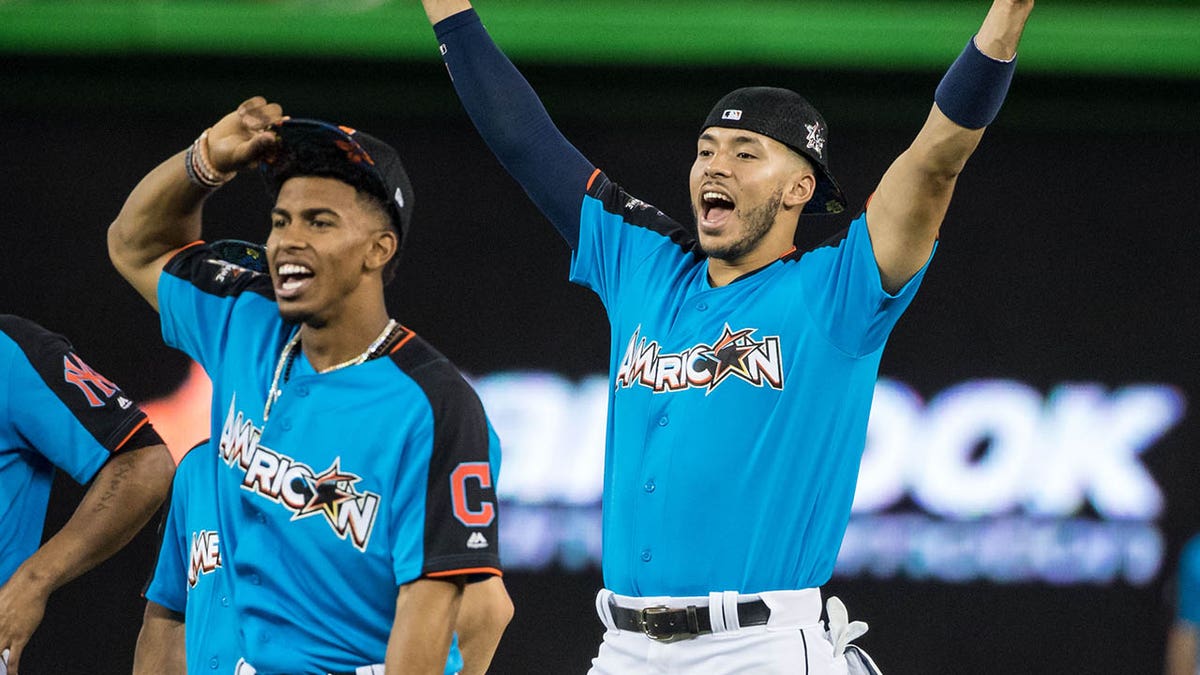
x: 353, y: 466
x: 741, y: 370
x: 61, y: 413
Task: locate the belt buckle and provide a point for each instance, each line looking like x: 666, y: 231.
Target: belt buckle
x: 650, y: 631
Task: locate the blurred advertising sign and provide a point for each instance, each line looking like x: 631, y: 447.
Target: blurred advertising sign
x: 988, y: 480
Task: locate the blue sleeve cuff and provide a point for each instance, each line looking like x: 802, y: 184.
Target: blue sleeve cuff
x: 974, y: 87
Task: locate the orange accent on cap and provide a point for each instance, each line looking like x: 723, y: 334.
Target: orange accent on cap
x: 470, y: 570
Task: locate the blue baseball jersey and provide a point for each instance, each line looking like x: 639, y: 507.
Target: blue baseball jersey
x: 57, y: 412
x: 737, y: 416
x: 1189, y: 583
x: 192, y: 575
x: 362, y: 479
x: 739, y: 412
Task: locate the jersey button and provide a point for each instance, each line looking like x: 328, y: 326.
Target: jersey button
x: 701, y: 306
x: 663, y: 421
x: 302, y: 391
x: 214, y: 663
x: 254, y: 579
x: 649, y: 486
x: 646, y: 556
x: 224, y: 600
x: 286, y: 425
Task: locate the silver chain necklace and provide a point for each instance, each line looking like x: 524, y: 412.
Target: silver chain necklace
x: 289, y: 352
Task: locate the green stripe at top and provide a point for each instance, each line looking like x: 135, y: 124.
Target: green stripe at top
x: 1126, y: 38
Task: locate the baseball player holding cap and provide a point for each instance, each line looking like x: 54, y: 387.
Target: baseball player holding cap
x: 353, y: 467
x: 741, y: 370
x: 60, y: 412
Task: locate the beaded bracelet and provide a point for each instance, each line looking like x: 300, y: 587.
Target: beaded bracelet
x: 200, y: 170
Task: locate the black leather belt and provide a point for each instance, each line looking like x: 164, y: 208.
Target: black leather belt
x: 667, y: 624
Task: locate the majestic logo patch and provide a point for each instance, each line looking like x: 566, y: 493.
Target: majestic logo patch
x: 205, y: 555
x: 281, y: 479
x: 477, y: 540
x: 816, y: 137
x: 92, y: 384
x: 734, y: 353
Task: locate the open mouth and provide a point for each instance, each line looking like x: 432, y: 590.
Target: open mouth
x: 715, y: 207
x: 292, y: 279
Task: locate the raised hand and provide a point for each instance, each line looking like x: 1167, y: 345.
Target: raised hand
x: 243, y: 136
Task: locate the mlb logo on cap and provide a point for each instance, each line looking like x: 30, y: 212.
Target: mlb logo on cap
x: 731, y: 115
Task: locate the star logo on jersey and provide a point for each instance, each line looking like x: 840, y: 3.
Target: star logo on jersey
x: 332, y: 493
x: 704, y: 366
x: 816, y: 137
x: 329, y: 491
x: 729, y: 355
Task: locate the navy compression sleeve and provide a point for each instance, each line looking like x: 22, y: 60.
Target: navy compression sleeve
x: 513, y: 122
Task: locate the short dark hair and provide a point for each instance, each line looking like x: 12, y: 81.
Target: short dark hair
x: 303, y: 160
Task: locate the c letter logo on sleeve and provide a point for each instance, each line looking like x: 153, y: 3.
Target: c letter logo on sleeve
x: 478, y: 471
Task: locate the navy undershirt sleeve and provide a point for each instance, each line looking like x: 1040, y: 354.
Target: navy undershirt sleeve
x: 513, y: 122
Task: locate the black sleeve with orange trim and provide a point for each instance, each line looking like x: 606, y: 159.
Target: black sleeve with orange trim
x: 462, y: 536
x: 67, y: 411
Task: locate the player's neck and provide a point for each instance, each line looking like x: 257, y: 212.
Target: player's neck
x: 725, y: 272
x: 776, y: 244
x: 342, y: 338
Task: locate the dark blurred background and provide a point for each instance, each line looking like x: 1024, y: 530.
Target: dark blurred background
x: 1065, y: 264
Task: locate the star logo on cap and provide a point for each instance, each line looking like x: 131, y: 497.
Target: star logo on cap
x: 816, y: 137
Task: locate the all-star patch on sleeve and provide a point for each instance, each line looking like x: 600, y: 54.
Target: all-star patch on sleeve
x: 199, y: 290
x: 63, y: 408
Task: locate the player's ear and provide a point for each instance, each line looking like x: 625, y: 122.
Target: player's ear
x: 799, y: 189
x: 384, y: 244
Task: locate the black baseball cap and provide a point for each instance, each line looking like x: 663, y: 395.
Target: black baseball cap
x: 307, y: 143
x: 787, y: 117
